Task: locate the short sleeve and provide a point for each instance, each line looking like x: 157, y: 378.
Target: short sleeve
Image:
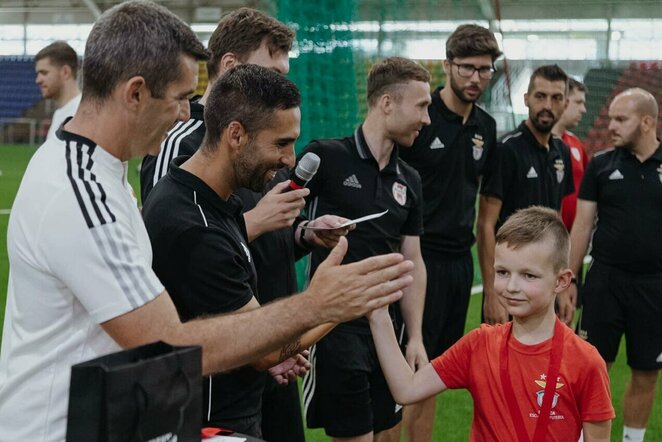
x: 106, y: 266
x: 589, y: 187
x: 568, y: 180
x: 216, y: 276
x: 594, y: 399
x: 453, y: 366
x: 499, y: 174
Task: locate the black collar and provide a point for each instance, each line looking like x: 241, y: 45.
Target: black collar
x: 365, y: 154
x: 232, y: 207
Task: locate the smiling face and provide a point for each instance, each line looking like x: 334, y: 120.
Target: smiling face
x: 468, y: 89
x: 407, y: 112
x: 160, y: 114
x: 268, y: 150
x: 525, y: 280
x: 546, y: 102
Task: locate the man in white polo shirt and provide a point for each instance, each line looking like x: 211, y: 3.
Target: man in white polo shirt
x: 80, y: 282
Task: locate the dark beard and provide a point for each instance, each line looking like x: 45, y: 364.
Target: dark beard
x: 543, y: 128
x: 459, y: 93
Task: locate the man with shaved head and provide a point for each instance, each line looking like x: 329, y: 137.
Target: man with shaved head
x: 623, y: 288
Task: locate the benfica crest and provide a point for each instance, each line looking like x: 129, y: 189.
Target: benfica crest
x: 400, y: 193
x: 560, y: 169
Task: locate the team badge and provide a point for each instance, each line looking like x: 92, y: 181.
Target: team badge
x: 541, y: 393
x: 576, y: 154
x: 400, y: 193
x: 560, y: 169
x: 659, y: 173
x: 478, y: 146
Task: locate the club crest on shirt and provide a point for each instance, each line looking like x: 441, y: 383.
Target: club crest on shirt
x: 540, y: 394
x: 560, y: 169
x: 478, y: 146
x: 659, y: 173
x: 400, y: 193
x: 576, y: 154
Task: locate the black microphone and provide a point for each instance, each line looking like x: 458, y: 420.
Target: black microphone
x: 304, y: 171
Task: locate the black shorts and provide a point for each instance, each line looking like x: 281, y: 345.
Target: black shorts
x: 345, y: 392
x: 281, y: 413
x: 616, y: 302
x: 446, y: 301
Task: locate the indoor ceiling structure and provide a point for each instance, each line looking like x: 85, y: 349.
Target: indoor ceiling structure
x: 200, y: 11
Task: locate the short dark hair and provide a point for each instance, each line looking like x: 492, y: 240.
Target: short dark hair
x: 249, y: 94
x: 535, y: 224
x: 60, y: 54
x: 137, y: 38
x: 550, y: 72
x: 471, y: 40
x: 390, y: 73
x: 576, y: 86
x: 241, y: 32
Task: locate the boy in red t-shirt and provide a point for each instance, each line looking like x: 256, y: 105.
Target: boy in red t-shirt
x: 507, y: 368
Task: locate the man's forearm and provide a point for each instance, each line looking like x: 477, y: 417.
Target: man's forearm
x: 253, y: 334
x: 485, y: 244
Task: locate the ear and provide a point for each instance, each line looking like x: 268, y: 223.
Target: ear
x: 446, y: 65
x: 563, y: 280
x: 526, y: 99
x: 386, y: 103
x: 235, y: 136
x: 134, y: 92
x: 648, y: 123
x: 228, y: 61
x: 65, y: 71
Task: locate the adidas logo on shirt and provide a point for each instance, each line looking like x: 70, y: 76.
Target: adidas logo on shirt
x: 437, y: 144
x: 532, y: 173
x: 616, y: 175
x: 352, y: 181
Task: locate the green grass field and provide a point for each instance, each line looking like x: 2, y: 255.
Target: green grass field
x: 454, y: 407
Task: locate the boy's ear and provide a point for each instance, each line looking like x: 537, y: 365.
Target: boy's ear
x: 563, y: 280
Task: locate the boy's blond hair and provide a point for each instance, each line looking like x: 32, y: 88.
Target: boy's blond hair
x: 535, y: 224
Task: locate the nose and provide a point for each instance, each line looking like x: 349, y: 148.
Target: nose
x: 582, y: 109
x: 426, y: 118
x: 512, y: 286
x: 185, y: 111
x: 610, y: 127
x: 548, y: 103
x: 288, y: 157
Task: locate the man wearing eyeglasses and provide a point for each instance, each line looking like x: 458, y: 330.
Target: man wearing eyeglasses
x: 450, y: 155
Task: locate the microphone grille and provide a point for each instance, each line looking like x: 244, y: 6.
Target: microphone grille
x: 307, y: 166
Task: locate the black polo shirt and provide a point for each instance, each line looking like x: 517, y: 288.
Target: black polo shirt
x: 202, y: 258
x: 183, y: 139
x: 451, y: 156
x: 274, y: 253
x: 628, y: 194
x: 349, y: 183
x: 524, y: 173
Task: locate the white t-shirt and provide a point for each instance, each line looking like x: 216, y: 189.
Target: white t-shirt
x: 79, y: 255
x: 61, y: 114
